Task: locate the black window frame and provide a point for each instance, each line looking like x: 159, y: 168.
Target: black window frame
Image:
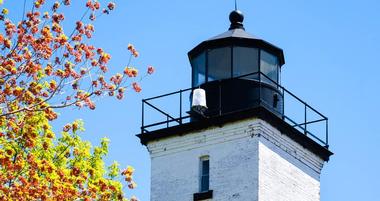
x: 195, y: 69
x: 204, y: 174
x: 258, y: 50
x: 228, y: 53
x: 278, y: 69
x: 259, y: 70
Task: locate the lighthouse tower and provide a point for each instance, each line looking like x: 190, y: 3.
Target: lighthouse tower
x: 237, y: 140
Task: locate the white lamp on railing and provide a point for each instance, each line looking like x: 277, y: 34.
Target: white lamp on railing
x: 199, y: 101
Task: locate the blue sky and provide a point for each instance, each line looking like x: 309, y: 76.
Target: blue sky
x: 331, y: 51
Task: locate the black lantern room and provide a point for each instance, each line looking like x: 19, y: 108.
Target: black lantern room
x: 238, y: 71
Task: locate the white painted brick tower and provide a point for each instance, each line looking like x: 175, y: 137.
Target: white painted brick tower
x: 242, y: 146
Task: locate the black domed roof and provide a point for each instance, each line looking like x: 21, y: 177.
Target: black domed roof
x: 234, y: 33
x: 237, y: 36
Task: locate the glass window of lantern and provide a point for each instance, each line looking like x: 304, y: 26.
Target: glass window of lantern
x: 269, y: 67
x: 245, y: 61
x: 199, y: 69
x: 219, y: 63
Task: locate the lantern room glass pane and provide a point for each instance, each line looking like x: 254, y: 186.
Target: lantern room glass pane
x: 269, y: 67
x: 219, y: 63
x: 245, y: 61
x: 199, y: 69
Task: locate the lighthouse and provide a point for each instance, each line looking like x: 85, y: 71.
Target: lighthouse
x: 230, y: 135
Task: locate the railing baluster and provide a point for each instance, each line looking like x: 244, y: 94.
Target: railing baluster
x: 220, y: 97
x: 327, y: 133
x: 283, y: 103
x: 142, y: 115
x: 180, y: 107
x: 305, y: 120
x: 260, y: 88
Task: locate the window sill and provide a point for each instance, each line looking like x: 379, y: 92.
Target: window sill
x: 203, y: 195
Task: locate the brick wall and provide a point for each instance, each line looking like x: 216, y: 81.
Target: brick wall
x: 249, y: 160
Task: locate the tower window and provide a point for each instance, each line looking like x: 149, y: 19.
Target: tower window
x: 245, y: 61
x: 199, y: 69
x: 219, y: 63
x: 204, y: 173
x: 269, y: 66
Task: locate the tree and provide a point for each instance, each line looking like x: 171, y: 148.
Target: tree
x: 42, y: 69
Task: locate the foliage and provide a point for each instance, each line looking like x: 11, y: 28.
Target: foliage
x: 43, y: 68
x: 35, y: 165
x: 40, y: 62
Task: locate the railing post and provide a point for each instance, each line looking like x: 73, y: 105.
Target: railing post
x: 220, y: 97
x: 180, y: 106
x: 327, y: 133
x: 259, y: 65
x: 305, y: 128
x: 167, y: 121
x: 142, y: 116
x: 283, y: 103
x: 259, y: 88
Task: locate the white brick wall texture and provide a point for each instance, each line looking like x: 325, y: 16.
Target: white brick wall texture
x: 249, y: 161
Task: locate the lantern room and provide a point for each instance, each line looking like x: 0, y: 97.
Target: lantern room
x: 238, y: 70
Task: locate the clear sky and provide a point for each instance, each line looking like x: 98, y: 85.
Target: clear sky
x: 331, y: 49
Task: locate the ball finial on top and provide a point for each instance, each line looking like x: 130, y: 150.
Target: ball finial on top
x: 236, y: 19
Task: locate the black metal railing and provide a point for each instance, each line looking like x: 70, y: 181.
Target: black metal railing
x: 304, y: 120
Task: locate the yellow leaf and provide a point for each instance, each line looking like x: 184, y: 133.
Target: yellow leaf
x: 4, y: 11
